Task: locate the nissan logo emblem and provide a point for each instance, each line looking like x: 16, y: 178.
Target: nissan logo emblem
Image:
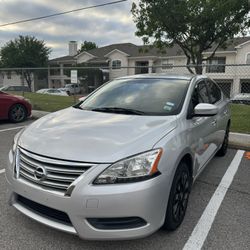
x: 40, y: 173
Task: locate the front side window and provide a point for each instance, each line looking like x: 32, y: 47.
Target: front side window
x: 216, y: 65
x: 213, y: 91
x: 200, y: 94
x: 116, y: 64
x: 148, y: 96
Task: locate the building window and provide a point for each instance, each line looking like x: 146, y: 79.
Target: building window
x: 116, y: 64
x: 216, y: 65
x: 248, y: 58
x: 141, y: 67
x: 245, y: 86
x: 167, y: 64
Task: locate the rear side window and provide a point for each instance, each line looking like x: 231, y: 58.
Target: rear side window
x: 214, y: 92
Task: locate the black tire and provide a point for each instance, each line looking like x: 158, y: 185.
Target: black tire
x: 17, y: 113
x: 178, y: 198
x: 223, y: 150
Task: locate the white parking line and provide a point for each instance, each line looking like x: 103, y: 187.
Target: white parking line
x: 8, y: 129
x: 201, y: 230
x: 2, y: 171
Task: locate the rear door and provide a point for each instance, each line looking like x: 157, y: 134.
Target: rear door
x: 221, y: 119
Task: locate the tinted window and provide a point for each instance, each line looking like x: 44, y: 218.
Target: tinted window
x: 152, y: 96
x: 200, y: 94
x: 214, y: 91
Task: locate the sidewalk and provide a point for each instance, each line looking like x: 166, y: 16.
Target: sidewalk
x: 236, y: 140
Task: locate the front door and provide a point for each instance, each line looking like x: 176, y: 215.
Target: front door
x: 201, y: 129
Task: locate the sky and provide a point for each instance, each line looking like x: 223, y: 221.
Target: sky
x: 104, y: 25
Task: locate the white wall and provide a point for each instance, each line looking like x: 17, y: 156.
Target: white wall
x: 114, y: 73
x: 84, y: 57
x: 16, y: 80
x: 1, y: 80
x: 241, y: 54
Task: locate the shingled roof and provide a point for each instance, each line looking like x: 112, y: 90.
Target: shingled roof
x: 144, y: 51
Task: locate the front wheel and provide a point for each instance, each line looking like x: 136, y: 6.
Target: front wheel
x: 17, y: 113
x: 178, y: 198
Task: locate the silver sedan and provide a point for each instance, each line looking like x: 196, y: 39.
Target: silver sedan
x: 121, y: 163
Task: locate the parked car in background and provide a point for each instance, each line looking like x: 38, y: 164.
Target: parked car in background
x: 14, y: 108
x: 121, y: 163
x: 243, y: 98
x: 41, y: 91
x: 15, y: 88
x: 73, y: 88
x: 63, y: 90
x: 52, y: 92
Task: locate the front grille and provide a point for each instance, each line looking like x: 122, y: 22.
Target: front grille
x: 48, y: 212
x: 51, y: 174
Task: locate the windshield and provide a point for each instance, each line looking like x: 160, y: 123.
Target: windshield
x: 143, y: 96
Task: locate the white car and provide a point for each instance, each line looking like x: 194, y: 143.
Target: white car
x: 52, y: 92
x: 121, y: 163
x: 243, y: 98
x: 72, y: 89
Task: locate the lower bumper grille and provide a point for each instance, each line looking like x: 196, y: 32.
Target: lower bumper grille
x: 48, y: 212
x: 117, y: 223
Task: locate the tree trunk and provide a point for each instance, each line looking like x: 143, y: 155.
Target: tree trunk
x: 27, y: 76
x: 198, y: 66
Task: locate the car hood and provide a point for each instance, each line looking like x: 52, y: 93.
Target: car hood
x: 87, y: 136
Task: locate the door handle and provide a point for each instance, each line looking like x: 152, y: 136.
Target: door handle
x: 214, y: 122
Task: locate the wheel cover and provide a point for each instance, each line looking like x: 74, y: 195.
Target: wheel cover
x: 17, y: 113
x: 181, y: 197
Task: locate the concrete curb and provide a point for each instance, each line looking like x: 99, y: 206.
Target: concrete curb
x: 239, y: 141
x: 236, y: 140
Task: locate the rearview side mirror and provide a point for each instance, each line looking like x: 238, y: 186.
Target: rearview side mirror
x: 205, y: 109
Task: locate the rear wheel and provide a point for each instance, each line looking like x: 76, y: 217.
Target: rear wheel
x: 17, y: 113
x: 224, y: 147
x: 178, y: 198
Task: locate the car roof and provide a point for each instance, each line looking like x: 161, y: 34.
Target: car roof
x: 162, y: 76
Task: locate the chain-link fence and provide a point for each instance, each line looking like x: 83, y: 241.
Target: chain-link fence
x: 234, y: 80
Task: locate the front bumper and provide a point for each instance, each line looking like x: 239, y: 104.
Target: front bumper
x: 146, y: 200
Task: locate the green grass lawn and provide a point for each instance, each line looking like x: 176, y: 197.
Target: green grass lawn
x: 48, y: 103
x: 240, y: 118
x: 240, y: 113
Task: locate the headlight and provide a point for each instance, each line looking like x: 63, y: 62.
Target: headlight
x: 15, y: 141
x: 12, y: 152
x: 136, y: 168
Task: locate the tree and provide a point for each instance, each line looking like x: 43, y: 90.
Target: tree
x: 194, y: 25
x: 85, y: 46
x: 25, y: 52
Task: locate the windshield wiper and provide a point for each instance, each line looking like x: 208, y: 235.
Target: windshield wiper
x: 119, y: 110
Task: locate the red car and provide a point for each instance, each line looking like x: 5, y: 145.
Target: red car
x: 14, y: 108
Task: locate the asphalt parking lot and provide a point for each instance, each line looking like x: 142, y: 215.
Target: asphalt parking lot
x: 212, y: 224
